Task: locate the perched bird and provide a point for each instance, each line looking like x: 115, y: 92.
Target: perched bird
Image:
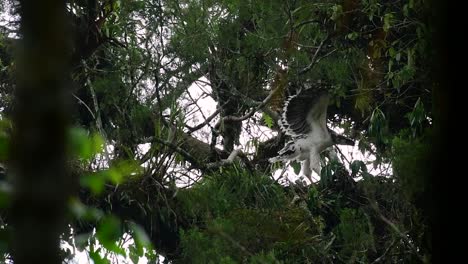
x: 304, y: 118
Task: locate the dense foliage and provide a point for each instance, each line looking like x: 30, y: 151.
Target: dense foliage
x: 157, y: 174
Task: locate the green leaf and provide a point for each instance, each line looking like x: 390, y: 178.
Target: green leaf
x: 4, y: 139
x: 417, y: 116
x: 337, y: 11
x: 82, y: 241
x: 268, y: 120
x: 95, y: 182
x: 326, y: 175
x: 352, y: 36
x: 356, y: 166
x: 96, y: 257
x: 77, y: 208
x: 4, y: 146
x: 97, y: 142
x: 84, y: 146
x: 5, y: 198
x: 79, y: 139
x: 117, y: 173
x: 5, y: 235
x: 406, y: 10
x: 392, y: 52
x: 108, y: 233
x: 388, y: 21
x: 296, y: 167
x: 81, y: 211
x: 141, y: 239
x: 114, y: 175
x: 134, y: 254
x: 398, y: 56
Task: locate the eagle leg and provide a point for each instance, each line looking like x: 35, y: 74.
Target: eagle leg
x: 315, y: 162
x: 307, y: 170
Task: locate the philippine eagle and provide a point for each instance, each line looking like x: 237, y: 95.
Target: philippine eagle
x: 304, y: 118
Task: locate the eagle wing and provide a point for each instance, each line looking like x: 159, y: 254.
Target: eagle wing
x: 304, y: 112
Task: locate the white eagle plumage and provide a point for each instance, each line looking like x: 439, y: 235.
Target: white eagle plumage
x: 304, y: 118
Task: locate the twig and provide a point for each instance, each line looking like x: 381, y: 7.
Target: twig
x: 95, y: 102
x: 403, y: 236
x: 204, y: 123
x: 326, y: 55
x: 314, y: 58
x: 342, y: 155
x: 179, y: 150
x: 384, y: 254
x: 306, y: 22
x: 87, y: 107
x: 254, y: 110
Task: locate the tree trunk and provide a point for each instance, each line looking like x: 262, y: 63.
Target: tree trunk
x: 38, y: 158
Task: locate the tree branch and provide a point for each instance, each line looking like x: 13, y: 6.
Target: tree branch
x: 187, y: 156
x: 254, y: 110
x: 225, y: 162
x: 314, y: 58
x: 204, y: 123
x: 86, y: 106
x: 306, y: 22
x: 95, y: 102
x: 403, y: 236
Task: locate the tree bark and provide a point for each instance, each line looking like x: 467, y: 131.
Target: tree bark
x: 41, y: 183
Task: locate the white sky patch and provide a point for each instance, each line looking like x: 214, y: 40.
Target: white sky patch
x: 198, y: 106
x: 8, y: 19
x: 184, y: 178
x: 143, y: 148
x: 252, y: 133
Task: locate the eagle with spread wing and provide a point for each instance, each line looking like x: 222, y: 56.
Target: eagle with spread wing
x: 304, y: 118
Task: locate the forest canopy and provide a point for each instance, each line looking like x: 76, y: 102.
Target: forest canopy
x: 142, y: 131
